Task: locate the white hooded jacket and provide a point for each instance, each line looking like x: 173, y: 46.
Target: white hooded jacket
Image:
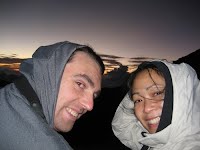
x: 179, y: 127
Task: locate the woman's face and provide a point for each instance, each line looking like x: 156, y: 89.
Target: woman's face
x: 148, y: 90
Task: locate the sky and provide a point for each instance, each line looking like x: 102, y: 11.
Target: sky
x: 129, y: 28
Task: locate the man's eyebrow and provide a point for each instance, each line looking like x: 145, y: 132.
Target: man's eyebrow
x: 87, y: 78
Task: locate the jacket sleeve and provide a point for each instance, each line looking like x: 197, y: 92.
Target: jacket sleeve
x: 125, y: 126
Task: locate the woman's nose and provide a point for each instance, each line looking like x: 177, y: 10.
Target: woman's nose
x: 148, y: 105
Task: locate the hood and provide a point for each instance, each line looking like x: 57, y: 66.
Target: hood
x: 180, y: 115
x: 44, y: 71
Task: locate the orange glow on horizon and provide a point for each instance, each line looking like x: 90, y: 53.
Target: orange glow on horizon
x: 108, y: 69
x: 12, y: 66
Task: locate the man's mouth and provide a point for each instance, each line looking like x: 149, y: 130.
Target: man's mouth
x: 72, y: 112
x: 154, y: 121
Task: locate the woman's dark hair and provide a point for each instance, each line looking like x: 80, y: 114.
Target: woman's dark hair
x: 91, y: 53
x: 141, y: 67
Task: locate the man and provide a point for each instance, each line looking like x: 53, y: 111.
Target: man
x: 66, y: 78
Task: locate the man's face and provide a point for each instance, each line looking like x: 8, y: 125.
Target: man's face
x: 80, y: 84
x: 148, y: 95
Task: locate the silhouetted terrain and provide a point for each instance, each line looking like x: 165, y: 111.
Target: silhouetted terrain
x: 93, y: 131
x: 7, y: 76
x: 193, y: 59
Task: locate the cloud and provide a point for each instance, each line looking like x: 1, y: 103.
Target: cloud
x: 111, y: 61
x: 110, y: 56
x: 8, y: 59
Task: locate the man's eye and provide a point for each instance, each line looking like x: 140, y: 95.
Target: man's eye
x: 81, y: 85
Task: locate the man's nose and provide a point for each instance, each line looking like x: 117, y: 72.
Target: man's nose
x: 88, y: 101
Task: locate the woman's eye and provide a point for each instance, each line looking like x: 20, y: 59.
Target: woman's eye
x: 159, y: 93
x: 137, y: 101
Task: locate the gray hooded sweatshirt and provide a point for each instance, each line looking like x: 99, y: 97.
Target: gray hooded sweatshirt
x: 21, y: 128
x: 179, y: 127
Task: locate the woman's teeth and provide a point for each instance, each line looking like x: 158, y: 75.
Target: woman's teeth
x: 154, y: 121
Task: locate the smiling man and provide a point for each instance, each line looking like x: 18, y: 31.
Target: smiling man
x: 80, y: 85
x: 58, y: 85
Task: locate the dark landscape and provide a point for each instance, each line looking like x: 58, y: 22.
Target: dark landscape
x: 93, y: 131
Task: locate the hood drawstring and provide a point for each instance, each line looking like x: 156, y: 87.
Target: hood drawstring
x: 144, y: 146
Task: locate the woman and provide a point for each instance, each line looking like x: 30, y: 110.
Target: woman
x: 161, y: 109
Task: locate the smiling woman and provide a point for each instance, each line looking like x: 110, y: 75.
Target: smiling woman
x: 147, y: 93
x: 149, y: 115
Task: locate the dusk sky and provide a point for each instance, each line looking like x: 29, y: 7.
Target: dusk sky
x: 129, y: 28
